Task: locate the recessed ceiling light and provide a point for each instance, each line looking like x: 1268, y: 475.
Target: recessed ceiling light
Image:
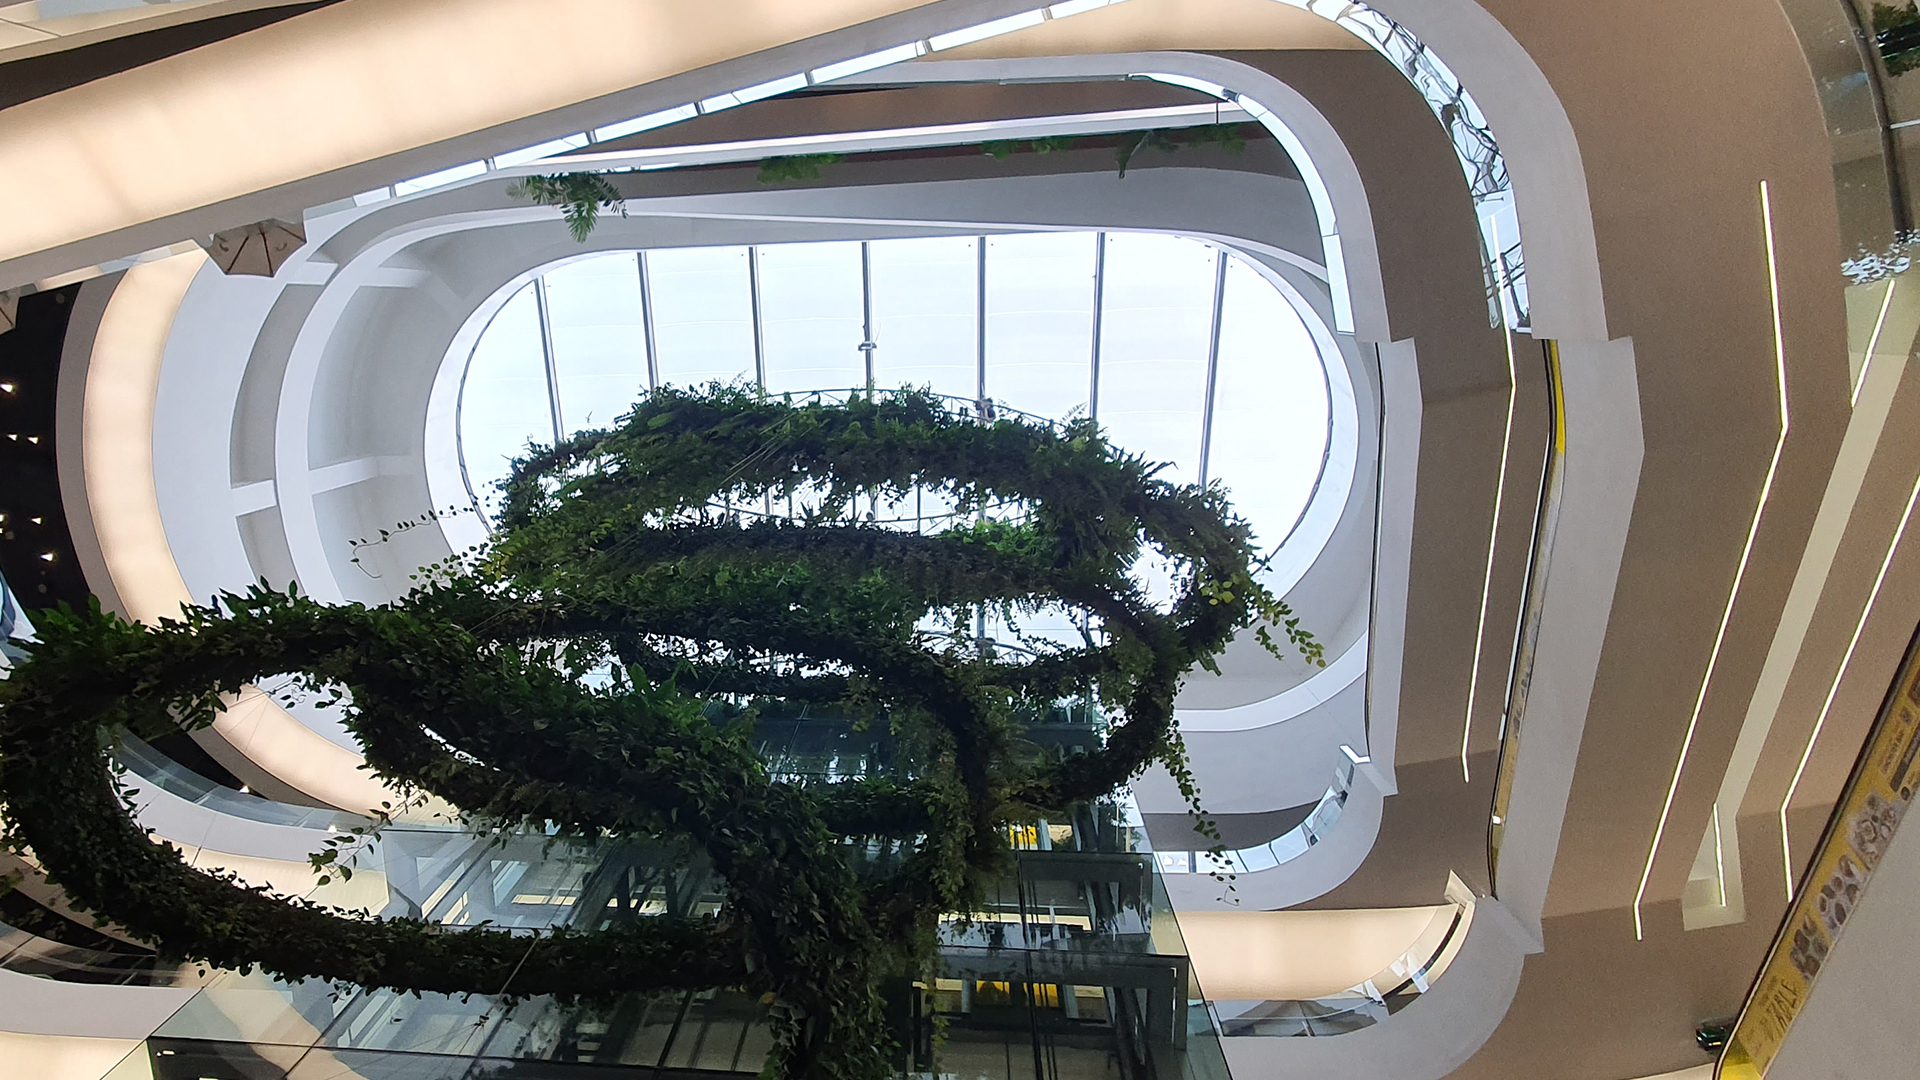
x: 47, y: 556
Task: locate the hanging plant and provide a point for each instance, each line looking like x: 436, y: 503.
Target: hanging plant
x: 625, y: 549
x: 579, y: 195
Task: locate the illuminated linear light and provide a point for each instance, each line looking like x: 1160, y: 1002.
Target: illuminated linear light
x: 1499, y: 495
x: 828, y: 73
x: 1075, y: 7
x: 1826, y: 707
x: 883, y: 58
x: 540, y: 150
x: 466, y: 171
x: 1746, y: 553
x: 1873, y: 341
x: 646, y: 123
x: 756, y: 92
x: 985, y: 30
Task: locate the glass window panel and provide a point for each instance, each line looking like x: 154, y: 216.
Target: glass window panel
x: 702, y: 314
x: 1040, y: 322
x: 599, y: 338
x: 503, y: 400
x: 1270, y: 407
x: 1153, y: 348
x: 810, y: 314
x: 925, y: 313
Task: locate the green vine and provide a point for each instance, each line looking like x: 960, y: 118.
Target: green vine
x: 626, y: 550
x: 1896, y: 31
x: 776, y: 170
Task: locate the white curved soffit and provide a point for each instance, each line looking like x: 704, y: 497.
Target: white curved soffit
x: 1311, y: 142
x: 116, y: 462
x: 1427, y: 1039
x: 123, y: 375
x: 1345, y: 670
x: 1542, y: 154
x: 302, y: 112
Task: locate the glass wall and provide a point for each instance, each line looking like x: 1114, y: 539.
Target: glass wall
x: 1185, y: 353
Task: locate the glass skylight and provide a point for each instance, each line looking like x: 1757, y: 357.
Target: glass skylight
x: 1184, y: 352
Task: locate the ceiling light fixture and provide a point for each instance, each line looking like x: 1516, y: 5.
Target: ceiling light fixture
x: 1499, y: 497
x: 1746, y: 553
x: 1826, y: 707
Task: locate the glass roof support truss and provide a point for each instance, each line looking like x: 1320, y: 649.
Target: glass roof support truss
x: 866, y: 309
x: 546, y: 355
x: 759, y: 320
x: 646, y: 321
x: 1213, y: 361
x: 980, y: 329
x: 1099, y: 302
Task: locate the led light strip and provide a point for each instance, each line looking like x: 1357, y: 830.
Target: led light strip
x: 1499, y: 495
x: 1746, y: 553
x: 771, y: 88
x: 1826, y: 707
x: 1873, y: 340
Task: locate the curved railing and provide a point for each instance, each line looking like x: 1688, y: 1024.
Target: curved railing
x: 147, y: 765
x: 1527, y: 632
x: 1289, y: 845
x: 30, y: 954
x: 1366, y: 1003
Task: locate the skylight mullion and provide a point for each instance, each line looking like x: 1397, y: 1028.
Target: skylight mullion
x: 546, y: 355
x: 646, y: 319
x: 759, y: 318
x: 1099, y: 302
x: 980, y: 323
x: 867, y: 345
x: 1213, y: 362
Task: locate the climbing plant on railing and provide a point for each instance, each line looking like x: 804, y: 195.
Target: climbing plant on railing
x: 581, y: 196
x: 610, y: 557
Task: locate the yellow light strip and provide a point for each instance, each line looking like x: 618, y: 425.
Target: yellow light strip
x: 1499, y: 494
x: 1873, y: 340
x: 1826, y: 707
x: 1746, y: 553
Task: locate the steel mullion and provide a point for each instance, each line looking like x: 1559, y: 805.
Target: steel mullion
x: 759, y: 323
x: 646, y: 321
x: 1213, y: 362
x: 546, y: 355
x: 1099, y: 303
x: 867, y: 345
x: 980, y: 326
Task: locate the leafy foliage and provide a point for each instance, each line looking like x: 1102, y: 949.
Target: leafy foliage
x: 1896, y: 30
x: 776, y: 170
x: 1228, y: 137
x: 612, y: 550
x: 579, y: 195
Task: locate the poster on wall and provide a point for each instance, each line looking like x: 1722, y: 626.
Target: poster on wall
x: 1870, y: 809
